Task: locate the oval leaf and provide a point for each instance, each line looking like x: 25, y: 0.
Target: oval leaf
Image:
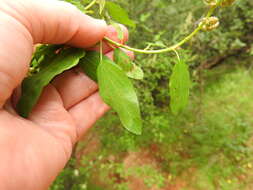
x: 32, y: 86
x: 179, y: 87
x: 119, y: 14
x: 123, y: 60
x: 118, y: 92
x: 136, y: 73
x: 119, y: 30
x: 90, y: 63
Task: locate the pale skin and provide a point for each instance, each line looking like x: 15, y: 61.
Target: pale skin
x: 33, y: 151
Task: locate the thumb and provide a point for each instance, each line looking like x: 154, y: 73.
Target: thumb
x: 27, y: 22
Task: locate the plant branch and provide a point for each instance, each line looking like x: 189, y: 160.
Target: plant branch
x: 90, y: 5
x: 168, y: 49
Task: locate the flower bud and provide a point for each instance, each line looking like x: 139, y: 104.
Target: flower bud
x: 209, y: 23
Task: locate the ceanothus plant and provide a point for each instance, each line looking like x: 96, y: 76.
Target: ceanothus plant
x: 113, y: 77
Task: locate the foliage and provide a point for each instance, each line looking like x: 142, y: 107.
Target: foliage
x: 52, y: 66
x: 126, y: 64
x: 179, y: 87
x: 208, y: 145
x: 119, y: 14
x: 118, y: 92
x: 131, y: 120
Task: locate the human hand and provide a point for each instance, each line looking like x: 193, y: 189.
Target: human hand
x: 34, y: 150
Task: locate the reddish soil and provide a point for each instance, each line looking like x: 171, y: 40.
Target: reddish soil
x: 131, y: 159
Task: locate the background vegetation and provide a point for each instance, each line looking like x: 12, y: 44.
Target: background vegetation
x: 208, y: 146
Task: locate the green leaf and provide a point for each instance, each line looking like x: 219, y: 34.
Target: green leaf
x: 119, y: 14
x: 179, y: 87
x: 90, y: 63
x: 32, y: 86
x: 136, y: 73
x: 43, y: 55
x: 118, y: 29
x: 118, y: 92
x: 112, y: 84
x: 123, y: 60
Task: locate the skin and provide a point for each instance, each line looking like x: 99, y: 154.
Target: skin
x: 34, y: 150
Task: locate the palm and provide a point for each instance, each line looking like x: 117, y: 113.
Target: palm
x: 39, y: 147
x: 34, y: 154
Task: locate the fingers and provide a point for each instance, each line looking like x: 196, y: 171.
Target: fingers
x: 89, y: 110
x: 85, y: 119
x: 15, y: 53
x: 51, y: 116
x: 56, y: 22
x: 112, y: 33
x: 74, y: 86
x: 25, y: 22
x: 129, y: 53
x: 69, y: 107
x: 67, y: 126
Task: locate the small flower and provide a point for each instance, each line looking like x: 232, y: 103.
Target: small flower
x: 209, y: 23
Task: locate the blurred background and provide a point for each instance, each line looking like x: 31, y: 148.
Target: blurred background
x: 209, y: 145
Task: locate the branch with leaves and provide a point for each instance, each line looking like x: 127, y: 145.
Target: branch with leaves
x: 113, y: 77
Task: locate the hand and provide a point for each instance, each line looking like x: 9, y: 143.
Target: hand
x: 34, y: 150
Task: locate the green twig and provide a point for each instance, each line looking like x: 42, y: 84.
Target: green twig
x: 168, y: 49
x: 90, y: 5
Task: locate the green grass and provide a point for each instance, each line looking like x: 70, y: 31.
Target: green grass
x: 218, y: 131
